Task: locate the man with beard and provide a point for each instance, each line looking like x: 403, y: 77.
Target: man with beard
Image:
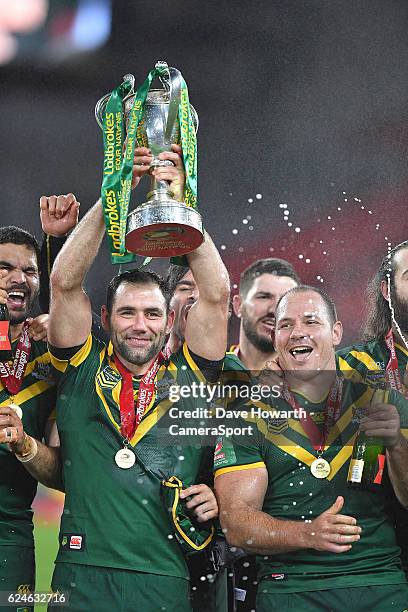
x: 383, y: 357
x: 384, y: 354
x: 116, y: 540
x: 26, y: 391
x: 261, y: 285
x: 282, y: 490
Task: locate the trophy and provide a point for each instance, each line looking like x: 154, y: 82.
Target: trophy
x: 161, y: 226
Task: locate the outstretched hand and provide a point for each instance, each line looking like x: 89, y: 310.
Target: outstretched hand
x: 58, y: 214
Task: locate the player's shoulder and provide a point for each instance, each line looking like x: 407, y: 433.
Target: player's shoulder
x: 371, y: 348
x: 364, y: 357
x: 232, y: 362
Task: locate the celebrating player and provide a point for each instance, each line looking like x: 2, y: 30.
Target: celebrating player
x: 283, y: 491
x: 116, y: 539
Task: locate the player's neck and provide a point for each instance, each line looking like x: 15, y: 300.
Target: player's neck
x: 137, y: 370
x: 315, y: 389
x: 252, y: 358
x: 174, y: 342
x: 15, y: 331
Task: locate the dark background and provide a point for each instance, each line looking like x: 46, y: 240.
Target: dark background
x: 302, y: 102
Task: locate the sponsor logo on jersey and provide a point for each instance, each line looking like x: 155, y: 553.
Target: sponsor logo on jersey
x: 108, y: 378
x: 42, y: 371
x: 277, y: 425
x: 218, y: 454
x: 375, y: 378
x: 278, y: 576
x: 163, y: 388
x: 75, y: 542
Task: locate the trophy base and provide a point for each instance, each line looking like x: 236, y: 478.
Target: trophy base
x: 164, y: 229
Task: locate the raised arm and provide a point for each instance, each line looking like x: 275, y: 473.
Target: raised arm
x: 70, y: 309
x: 207, y: 321
x: 58, y: 216
x: 240, y: 496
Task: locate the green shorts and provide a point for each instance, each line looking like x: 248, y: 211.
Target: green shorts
x: 105, y: 589
x: 17, y: 573
x: 387, y: 598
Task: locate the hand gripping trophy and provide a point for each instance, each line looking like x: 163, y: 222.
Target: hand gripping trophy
x: 153, y: 118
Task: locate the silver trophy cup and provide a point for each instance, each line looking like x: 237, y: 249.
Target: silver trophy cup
x: 161, y: 226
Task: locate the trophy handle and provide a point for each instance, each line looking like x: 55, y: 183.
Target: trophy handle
x: 100, y: 109
x: 174, y: 101
x: 100, y: 106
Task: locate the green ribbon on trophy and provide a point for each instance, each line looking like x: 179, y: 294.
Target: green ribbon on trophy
x: 117, y: 168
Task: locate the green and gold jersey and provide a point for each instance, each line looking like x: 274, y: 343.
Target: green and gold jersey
x: 17, y: 487
x: 116, y: 517
x: 277, y: 441
x: 370, y: 361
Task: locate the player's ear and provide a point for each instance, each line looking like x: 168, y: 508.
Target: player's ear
x: 236, y: 305
x: 337, y: 333
x: 170, y: 321
x: 105, y: 318
x: 384, y: 290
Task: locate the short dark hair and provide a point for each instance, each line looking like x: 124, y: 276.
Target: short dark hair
x: 379, y: 318
x: 271, y: 265
x: 174, y: 275
x: 11, y: 234
x: 136, y: 277
x: 330, y: 305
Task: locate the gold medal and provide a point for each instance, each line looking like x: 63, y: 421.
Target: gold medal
x: 16, y: 409
x: 125, y: 458
x: 320, y: 468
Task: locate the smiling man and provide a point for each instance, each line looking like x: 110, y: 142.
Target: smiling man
x: 26, y: 390
x: 283, y: 491
x: 117, y: 540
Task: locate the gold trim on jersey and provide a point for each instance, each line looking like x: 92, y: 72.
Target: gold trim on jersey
x: 239, y: 468
x: 365, y: 358
x: 176, y: 484
x: 401, y: 348
x: 342, y: 456
x: 76, y: 360
x: 28, y: 393
x: 349, y: 372
x: 196, y: 370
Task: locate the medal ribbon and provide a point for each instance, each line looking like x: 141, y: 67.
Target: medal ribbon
x: 117, y: 168
x: 391, y: 371
x: 129, y: 417
x: 333, y: 407
x: 13, y: 377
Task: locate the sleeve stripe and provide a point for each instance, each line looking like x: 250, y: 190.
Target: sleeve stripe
x: 75, y: 360
x: 238, y: 468
x: 366, y: 359
x: 192, y: 364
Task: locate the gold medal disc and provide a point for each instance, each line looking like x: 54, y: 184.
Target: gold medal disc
x: 320, y: 468
x: 125, y: 458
